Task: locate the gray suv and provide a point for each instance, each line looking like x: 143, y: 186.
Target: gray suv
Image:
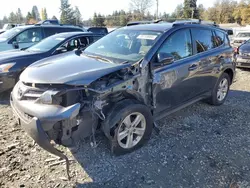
x: 123, y: 83
x: 26, y: 36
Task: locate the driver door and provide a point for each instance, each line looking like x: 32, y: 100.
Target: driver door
x: 175, y: 84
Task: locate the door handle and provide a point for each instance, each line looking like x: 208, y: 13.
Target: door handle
x: 193, y: 67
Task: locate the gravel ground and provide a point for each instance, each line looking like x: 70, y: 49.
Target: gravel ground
x: 199, y: 146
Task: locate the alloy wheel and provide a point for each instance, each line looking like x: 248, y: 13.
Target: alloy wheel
x: 131, y: 130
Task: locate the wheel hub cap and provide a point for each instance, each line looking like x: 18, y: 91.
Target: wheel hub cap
x: 131, y: 130
x: 222, y: 89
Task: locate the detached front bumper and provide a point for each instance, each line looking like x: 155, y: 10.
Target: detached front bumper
x: 36, y: 119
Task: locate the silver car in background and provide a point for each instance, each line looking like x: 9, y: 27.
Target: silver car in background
x: 240, y: 38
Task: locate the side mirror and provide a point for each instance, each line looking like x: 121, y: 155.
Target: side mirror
x: 165, y: 58
x: 61, y: 49
x: 15, y: 45
x: 230, y: 32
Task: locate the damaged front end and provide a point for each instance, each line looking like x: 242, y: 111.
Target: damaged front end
x: 66, y: 113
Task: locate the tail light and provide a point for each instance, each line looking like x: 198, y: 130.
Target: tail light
x: 236, y: 50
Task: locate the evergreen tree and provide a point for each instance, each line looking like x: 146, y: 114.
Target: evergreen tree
x: 19, y: 16
x: 98, y: 20
x: 123, y: 20
x: 5, y: 20
x: 54, y: 18
x: 67, y: 14
x: 77, y: 16
x: 35, y: 13
x: 179, y: 11
x: 44, y: 14
x: 190, y: 9
x: 29, y: 17
x: 12, y: 18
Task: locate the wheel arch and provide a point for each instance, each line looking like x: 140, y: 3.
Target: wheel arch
x: 230, y: 73
x: 109, y: 123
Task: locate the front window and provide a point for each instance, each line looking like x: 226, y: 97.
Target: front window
x: 47, y: 44
x: 10, y: 33
x: 127, y: 45
x: 179, y: 45
x: 243, y: 35
x: 30, y: 35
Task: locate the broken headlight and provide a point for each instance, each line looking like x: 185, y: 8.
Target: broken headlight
x: 47, y: 97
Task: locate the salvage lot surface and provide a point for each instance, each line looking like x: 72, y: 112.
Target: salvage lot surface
x: 200, y: 146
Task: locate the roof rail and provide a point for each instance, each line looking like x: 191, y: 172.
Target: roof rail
x: 48, y: 22
x: 194, y: 21
x: 143, y: 22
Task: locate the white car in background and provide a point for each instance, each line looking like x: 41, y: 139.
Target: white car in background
x: 241, y: 37
x: 8, y: 26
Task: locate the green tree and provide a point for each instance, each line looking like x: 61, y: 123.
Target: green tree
x: 201, y: 11
x: 190, y: 9
x: 19, y: 16
x: 29, y: 17
x: 35, y: 13
x: 54, y: 18
x: 5, y: 20
x: 44, y: 14
x: 123, y: 20
x: 211, y: 14
x: 98, y: 20
x: 77, y: 16
x: 179, y: 11
x: 224, y: 10
x: 240, y: 11
x: 67, y: 14
x: 12, y: 18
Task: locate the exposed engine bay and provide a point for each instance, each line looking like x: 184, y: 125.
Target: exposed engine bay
x: 94, y: 101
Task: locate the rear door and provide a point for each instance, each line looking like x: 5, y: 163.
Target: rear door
x: 205, y: 50
x: 176, y: 83
x: 49, y: 31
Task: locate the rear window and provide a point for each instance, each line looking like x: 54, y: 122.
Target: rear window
x: 243, y: 35
x: 72, y: 29
x: 54, y: 30
x: 204, y: 39
x: 98, y: 30
x: 50, y: 31
x: 219, y: 38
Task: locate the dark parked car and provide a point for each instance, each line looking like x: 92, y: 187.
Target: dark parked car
x: 26, y: 36
x: 98, y: 30
x: 12, y: 63
x: 123, y: 83
x: 242, y: 55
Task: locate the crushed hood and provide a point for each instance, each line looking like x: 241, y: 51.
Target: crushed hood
x: 71, y: 68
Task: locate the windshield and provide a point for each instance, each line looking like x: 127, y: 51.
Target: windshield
x: 10, y: 33
x: 243, y: 35
x: 46, y: 44
x: 127, y: 45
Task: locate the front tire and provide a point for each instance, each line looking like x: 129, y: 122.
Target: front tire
x: 220, y: 91
x: 133, y: 127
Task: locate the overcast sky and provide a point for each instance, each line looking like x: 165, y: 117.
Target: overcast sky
x: 87, y: 7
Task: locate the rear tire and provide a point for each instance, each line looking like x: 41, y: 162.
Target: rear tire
x: 220, y: 91
x: 132, y: 127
